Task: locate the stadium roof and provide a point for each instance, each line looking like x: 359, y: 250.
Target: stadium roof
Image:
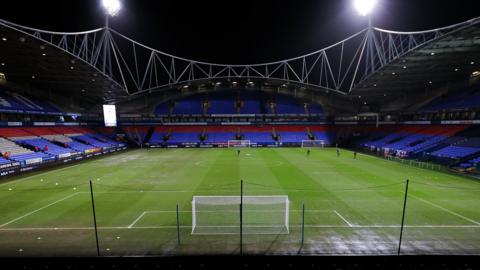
x: 450, y: 58
x: 26, y: 58
x: 102, y: 65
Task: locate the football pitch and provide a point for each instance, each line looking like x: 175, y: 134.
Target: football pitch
x: 351, y: 206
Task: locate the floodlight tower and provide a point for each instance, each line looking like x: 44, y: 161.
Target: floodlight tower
x: 112, y: 7
x: 365, y: 8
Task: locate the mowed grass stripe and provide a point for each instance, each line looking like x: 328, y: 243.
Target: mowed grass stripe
x: 129, y: 183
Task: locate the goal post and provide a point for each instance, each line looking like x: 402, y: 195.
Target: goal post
x: 313, y: 143
x: 221, y: 215
x: 238, y: 143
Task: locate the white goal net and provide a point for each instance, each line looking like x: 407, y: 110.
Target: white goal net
x: 221, y: 215
x: 313, y: 143
x: 238, y: 143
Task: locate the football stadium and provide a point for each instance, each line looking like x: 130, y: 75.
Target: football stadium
x: 368, y: 146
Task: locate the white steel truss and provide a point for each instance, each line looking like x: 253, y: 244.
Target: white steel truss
x: 137, y: 68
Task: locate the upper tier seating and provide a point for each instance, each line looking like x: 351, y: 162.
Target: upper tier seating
x: 222, y: 105
x: 188, y: 106
x: 14, y: 102
x: 288, y: 105
x: 315, y: 108
x: 243, y: 102
x: 163, y: 109
x: 462, y: 99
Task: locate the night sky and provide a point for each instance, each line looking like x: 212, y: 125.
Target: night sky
x: 237, y: 32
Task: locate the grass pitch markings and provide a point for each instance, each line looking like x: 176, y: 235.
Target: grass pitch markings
x: 342, y: 218
x: 38, y: 174
x: 39, y: 209
x: 137, y: 219
x: 445, y: 209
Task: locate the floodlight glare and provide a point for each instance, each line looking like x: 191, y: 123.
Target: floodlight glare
x: 112, y: 7
x: 364, y: 7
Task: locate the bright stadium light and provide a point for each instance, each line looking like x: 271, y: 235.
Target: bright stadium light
x: 112, y: 7
x: 364, y: 7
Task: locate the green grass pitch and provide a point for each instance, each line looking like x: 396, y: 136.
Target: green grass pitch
x: 352, y: 206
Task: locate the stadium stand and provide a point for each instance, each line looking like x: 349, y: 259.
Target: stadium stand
x: 183, y: 135
x: 12, y: 148
x: 287, y: 105
x: 4, y: 161
x: 109, y: 132
x: 31, y: 158
x: 47, y: 147
x: 188, y: 106
x: 215, y: 134
x: 157, y: 136
x: 137, y: 133
x: 455, y: 152
x: 91, y: 141
x: 248, y: 102
x: 467, y: 98
x: 222, y: 103
x: 14, y: 102
x: 252, y: 103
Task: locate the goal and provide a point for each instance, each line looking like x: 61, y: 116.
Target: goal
x: 238, y: 143
x: 221, y: 215
x: 313, y: 143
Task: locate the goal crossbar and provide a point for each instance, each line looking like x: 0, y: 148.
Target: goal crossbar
x: 313, y: 143
x: 221, y: 214
x: 238, y: 143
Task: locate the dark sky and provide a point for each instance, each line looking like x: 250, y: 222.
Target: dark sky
x: 236, y: 32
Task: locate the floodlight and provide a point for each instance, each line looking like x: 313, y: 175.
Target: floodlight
x: 112, y: 7
x: 364, y: 7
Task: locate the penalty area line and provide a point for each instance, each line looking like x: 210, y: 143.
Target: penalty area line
x: 137, y: 219
x: 342, y: 218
